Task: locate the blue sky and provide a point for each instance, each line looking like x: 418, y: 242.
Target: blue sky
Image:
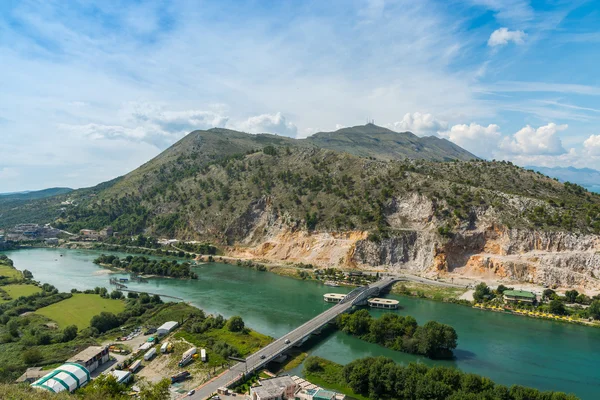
x: 91, y: 90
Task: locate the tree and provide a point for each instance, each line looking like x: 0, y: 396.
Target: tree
x: 158, y: 391
x: 104, y: 386
x: 594, y: 309
x: 501, y: 289
x: 557, y: 307
x: 104, y: 322
x: 482, y: 292
x: 69, y: 333
x: 27, y: 274
x: 32, y: 356
x: 235, y: 324
x: 311, y: 364
x: 436, y: 340
x: 116, y: 294
x: 549, y: 294
x: 571, y: 295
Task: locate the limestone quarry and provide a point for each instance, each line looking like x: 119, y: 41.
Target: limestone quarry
x: 488, y: 251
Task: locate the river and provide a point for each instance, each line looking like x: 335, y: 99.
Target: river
x: 508, y: 349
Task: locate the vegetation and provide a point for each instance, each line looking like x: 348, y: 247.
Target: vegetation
x: 215, y: 334
x: 15, y: 291
x: 79, y: 309
x: 219, y: 180
x: 382, y: 378
x: 144, y: 265
x: 433, y: 340
x: 104, y: 387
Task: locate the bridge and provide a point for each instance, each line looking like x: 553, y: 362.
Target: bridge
x: 256, y: 361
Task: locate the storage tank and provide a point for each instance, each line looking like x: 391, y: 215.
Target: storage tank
x: 150, y: 353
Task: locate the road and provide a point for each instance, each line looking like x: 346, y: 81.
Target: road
x: 279, y: 346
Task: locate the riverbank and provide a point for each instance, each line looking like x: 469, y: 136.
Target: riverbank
x: 510, y: 350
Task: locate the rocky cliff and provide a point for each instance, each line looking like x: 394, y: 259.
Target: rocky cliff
x: 485, y: 251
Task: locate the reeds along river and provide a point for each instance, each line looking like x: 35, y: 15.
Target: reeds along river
x: 508, y: 349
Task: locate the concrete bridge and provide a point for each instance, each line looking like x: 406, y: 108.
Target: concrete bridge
x: 256, y: 361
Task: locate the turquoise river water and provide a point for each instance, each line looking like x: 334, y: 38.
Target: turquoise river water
x: 508, y: 349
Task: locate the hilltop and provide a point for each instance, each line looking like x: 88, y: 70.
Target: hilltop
x: 286, y: 200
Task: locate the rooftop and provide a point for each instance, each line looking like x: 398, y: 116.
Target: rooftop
x: 383, y: 301
x: 87, y: 354
x: 334, y: 295
x: 519, y: 293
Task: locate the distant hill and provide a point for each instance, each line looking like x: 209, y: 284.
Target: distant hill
x: 384, y: 144
x: 586, y: 177
x: 34, y: 194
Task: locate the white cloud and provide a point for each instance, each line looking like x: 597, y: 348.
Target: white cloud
x: 269, y: 123
x: 503, y: 36
x: 419, y: 124
x: 178, y: 121
x: 478, y: 139
x: 530, y: 141
x: 592, y: 145
x: 8, y: 173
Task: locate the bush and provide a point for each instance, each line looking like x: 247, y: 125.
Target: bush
x: 235, y: 324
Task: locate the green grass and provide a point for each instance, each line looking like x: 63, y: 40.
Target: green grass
x: 434, y: 292
x: 11, y: 273
x: 16, y: 291
x: 80, y: 309
x: 245, y: 343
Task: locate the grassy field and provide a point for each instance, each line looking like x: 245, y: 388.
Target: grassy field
x: 16, y: 291
x: 11, y: 273
x: 80, y: 309
x: 439, y: 293
x: 245, y: 343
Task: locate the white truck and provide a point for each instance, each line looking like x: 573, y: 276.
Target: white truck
x: 150, y: 353
x: 203, y: 355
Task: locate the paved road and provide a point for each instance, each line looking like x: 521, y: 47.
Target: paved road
x: 279, y: 346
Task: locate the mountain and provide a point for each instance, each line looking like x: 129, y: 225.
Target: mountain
x: 348, y: 199
x: 374, y: 141
x: 34, y: 194
x: 586, y: 177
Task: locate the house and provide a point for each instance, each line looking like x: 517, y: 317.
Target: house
x: 514, y: 296
x: 91, y: 358
x: 278, y: 388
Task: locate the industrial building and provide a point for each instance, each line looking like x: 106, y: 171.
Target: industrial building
x: 166, y: 328
x: 69, y: 376
x: 91, y: 358
x: 122, y: 376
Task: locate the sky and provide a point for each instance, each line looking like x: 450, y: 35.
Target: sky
x: 90, y: 90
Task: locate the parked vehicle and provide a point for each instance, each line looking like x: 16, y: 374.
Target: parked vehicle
x: 180, y: 376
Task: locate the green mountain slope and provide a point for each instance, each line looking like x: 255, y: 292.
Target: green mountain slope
x: 33, y: 195
x: 384, y: 144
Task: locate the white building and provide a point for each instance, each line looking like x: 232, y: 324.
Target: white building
x: 69, y: 376
x: 166, y: 328
x: 122, y: 376
x: 91, y: 358
x: 279, y: 388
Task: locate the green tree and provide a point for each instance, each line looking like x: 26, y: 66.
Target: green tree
x: 594, y: 309
x: 235, y: 324
x: 436, y: 340
x: 105, y: 322
x: 482, y: 293
x: 557, y: 307
x: 158, y: 391
x: 116, y: 294
x: 69, y: 333
x: 571, y: 295
x: 32, y: 356
x: 27, y: 274
x: 312, y: 365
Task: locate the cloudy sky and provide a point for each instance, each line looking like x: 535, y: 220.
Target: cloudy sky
x: 90, y: 90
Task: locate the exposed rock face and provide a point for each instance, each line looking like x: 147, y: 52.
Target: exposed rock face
x: 483, y: 250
